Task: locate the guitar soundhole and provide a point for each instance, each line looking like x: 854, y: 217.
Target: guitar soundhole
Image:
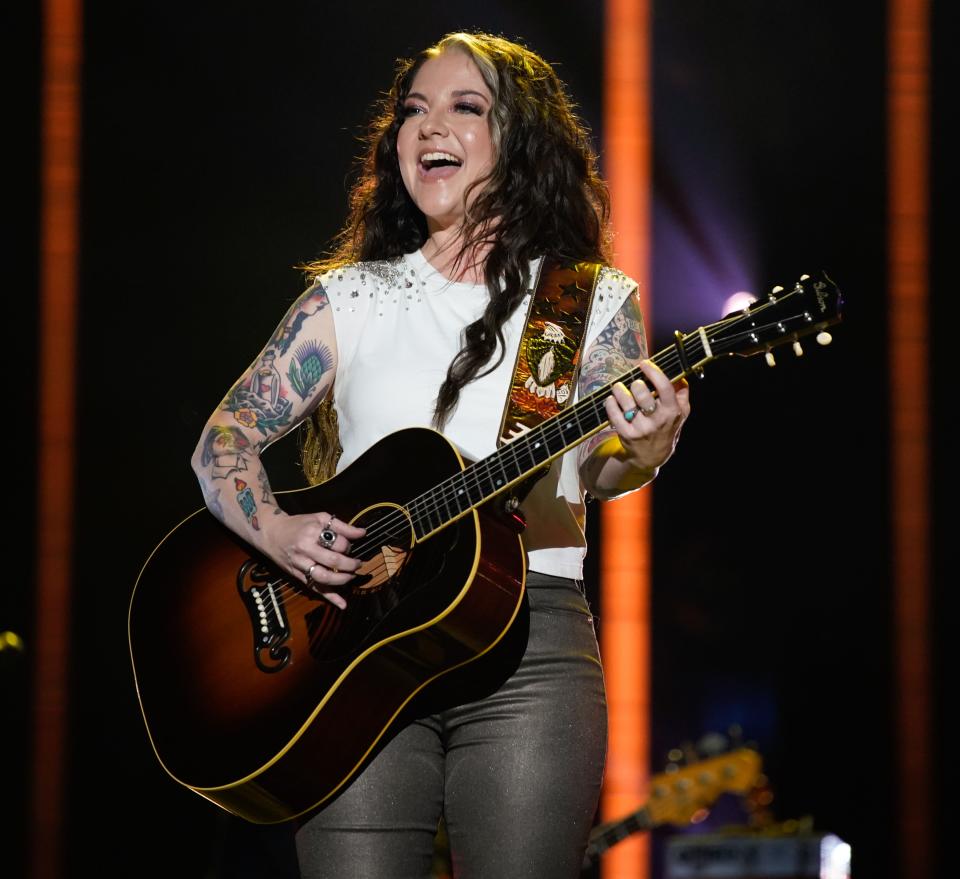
x: 391, y: 533
x: 377, y: 599
x: 373, y: 593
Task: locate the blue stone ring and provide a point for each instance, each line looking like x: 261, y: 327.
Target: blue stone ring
x: 630, y: 414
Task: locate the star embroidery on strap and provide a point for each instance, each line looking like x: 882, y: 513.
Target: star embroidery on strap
x: 570, y: 297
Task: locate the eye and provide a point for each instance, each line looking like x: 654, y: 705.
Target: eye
x: 467, y: 107
x: 411, y: 110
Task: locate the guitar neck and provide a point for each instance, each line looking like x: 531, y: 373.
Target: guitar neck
x: 606, y: 835
x: 784, y: 316
x: 520, y: 458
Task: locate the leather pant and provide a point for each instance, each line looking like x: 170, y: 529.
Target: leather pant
x: 509, y: 749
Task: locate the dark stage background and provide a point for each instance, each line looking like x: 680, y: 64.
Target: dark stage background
x: 217, y: 144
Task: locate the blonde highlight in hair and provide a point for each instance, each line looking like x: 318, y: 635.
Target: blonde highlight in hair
x: 320, y: 448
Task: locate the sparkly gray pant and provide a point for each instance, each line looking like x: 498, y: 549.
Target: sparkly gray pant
x: 514, y: 766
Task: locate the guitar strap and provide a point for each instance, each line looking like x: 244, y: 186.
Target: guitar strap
x: 548, y: 358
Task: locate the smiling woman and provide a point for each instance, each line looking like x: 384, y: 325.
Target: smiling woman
x: 478, y: 192
x: 444, y: 147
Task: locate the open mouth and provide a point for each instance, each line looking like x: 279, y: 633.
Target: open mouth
x: 440, y: 162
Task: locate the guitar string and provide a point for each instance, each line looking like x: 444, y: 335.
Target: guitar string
x: 292, y: 594
x: 387, y: 525
x: 442, y: 498
x: 438, y: 499
x: 553, y: 429
x: 446, y: 493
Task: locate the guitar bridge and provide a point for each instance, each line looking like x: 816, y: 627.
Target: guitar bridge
x: 258, y: 588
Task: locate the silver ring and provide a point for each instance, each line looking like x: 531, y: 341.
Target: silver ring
x: 629, y: 415
x: 648, y: 412
x: 327, y: 537
x: 309, y: 572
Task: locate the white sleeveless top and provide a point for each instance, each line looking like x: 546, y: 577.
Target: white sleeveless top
x: 399, y: 325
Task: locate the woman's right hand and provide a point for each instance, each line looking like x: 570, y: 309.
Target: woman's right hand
x: 313, y: 548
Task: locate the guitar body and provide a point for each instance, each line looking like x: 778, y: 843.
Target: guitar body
x: 265, y: 698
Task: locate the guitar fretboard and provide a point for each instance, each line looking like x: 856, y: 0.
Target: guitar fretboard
x: 518, y: 459
x: 783, y: 316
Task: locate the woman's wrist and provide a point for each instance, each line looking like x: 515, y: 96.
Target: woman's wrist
x: 611, y: 469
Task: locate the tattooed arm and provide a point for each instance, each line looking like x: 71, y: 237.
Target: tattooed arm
x: 643, y: 428
x: 292, y: 374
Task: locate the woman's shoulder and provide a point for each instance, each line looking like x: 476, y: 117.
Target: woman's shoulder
x: 612, y: 290
x: 613, y: 280
x: 367, y: 273
x: 356, y: 291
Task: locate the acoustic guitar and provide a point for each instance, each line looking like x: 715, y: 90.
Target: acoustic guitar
x: 264, y: 698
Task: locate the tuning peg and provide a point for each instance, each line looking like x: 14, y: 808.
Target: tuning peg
x: 775, y: 291
x: 804, y: 278
x: 712, y: 743
x: 824, y: 338
x: 771, y: 360
x: 798, y: 349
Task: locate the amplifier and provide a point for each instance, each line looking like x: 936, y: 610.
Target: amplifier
x: 757, y: 856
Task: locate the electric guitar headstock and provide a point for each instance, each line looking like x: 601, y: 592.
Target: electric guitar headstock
x: 684, y: 793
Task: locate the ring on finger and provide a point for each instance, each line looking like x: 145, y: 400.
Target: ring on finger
x: 629, y: 415
x: 309, y: 572
x: 649, y: 410
x: 327, y: 537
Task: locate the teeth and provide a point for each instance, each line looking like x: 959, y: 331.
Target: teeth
x: 439, y: 157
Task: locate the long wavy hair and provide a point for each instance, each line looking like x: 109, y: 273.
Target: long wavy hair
x: 543, y: 197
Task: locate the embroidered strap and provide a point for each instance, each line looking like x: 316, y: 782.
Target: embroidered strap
x: 549, y: 352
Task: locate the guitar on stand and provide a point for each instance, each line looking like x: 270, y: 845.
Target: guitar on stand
x: 681, y: 796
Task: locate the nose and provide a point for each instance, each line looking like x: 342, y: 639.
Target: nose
x: 432, y: 122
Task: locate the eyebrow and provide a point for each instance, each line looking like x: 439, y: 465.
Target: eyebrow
x: 459, y: 93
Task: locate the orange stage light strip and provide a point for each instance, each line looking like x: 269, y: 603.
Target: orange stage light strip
x: 908, y: 319
x: 59, y: 244
x: 625, y: 523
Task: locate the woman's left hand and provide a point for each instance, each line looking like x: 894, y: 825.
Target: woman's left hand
x: 648, y: 425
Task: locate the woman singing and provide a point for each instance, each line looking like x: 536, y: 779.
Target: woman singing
x: 477, y: 173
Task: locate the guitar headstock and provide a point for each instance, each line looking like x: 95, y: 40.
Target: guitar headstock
x: 783, y: 317
x: 677, y: 795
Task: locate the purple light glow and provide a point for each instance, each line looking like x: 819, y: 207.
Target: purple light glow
x: 705, y: 238
x: 701, y: 261
x: 738, y: 302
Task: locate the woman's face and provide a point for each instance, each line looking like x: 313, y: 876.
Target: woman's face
x: 444, y: 143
